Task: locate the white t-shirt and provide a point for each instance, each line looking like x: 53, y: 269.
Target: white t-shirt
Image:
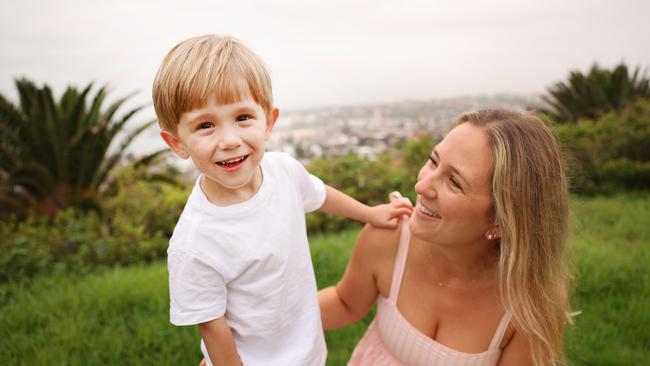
x: 250, y: 262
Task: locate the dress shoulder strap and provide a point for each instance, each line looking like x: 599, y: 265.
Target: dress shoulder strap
x: 400, y: 260
x: 501, y: 330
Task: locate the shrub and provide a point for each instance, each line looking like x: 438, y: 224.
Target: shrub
x: 154, y: 205
x: 609, y: 154
x: 369, y: 181
x: 135, y: 227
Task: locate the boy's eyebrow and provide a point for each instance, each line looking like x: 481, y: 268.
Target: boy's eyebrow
x: 244, y: 108
x: 451, y: 167
x: 199, y: 117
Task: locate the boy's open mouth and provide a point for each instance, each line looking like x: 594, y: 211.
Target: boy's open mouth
x: 230, y: 163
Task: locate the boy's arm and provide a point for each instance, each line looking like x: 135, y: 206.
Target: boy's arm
x: 382, y: 216
x: 220, y: 343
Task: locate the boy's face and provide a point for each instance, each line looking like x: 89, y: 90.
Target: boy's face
x: 226, y: 143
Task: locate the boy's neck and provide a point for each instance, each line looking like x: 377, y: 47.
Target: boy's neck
x: 219, y: 195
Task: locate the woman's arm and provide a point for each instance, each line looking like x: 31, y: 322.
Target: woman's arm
x: 351, y: 299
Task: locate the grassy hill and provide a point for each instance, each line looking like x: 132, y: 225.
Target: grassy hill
x: 120, y: 316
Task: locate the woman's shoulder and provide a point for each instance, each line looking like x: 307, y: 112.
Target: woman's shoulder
x: 374, y: 240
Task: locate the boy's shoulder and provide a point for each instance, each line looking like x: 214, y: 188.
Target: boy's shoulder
x: 281, y: 161
x: 278, y: 157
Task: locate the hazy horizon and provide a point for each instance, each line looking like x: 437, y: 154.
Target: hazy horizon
x: 328, y: 53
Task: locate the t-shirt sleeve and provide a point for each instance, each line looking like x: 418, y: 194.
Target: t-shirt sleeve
x: 312, y: 188
x: 197, y: 291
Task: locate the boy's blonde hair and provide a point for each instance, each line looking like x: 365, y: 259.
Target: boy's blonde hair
x: 530, y: 197
x: 208, y: 65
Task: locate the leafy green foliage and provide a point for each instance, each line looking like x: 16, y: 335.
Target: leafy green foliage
x: 55, y: 154
x: 611, y: 153
x: 72, y: 242
x: 598, y: 92
x: 369, y: 181
x: 135, y: 227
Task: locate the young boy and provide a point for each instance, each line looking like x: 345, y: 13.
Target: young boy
x: 239, y: 262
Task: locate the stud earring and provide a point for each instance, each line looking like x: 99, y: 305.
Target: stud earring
x: 489, y: 237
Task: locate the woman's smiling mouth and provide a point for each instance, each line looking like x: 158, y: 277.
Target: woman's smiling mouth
x: 420, y: 207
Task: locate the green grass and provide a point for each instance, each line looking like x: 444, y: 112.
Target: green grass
x: 612, y: 240
x: 330, y: 256
x: 121, y: 316
x: 115, y: 318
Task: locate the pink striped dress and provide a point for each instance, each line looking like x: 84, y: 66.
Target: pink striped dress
x: 391, y: 340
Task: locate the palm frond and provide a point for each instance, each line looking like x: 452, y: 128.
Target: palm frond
x: 593, y: 94
x: 56, y: 152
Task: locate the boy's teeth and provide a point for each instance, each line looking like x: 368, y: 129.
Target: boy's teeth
x: 231, y: 161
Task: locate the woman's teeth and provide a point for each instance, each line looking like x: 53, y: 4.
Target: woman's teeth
x: 426, y: 211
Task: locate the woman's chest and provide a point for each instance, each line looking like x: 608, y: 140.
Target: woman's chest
x: 459, y: 319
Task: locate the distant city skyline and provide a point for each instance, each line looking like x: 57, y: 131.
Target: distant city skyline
x: 328, y: 53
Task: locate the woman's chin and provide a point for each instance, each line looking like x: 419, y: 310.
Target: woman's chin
x: 419, y: 228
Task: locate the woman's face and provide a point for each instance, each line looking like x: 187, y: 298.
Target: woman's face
x: 453, y: 189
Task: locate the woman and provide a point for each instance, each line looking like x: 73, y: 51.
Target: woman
x: 478, y: 275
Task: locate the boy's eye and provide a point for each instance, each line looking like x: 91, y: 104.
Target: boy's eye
x: 243, y: 117
x: 204, y: 125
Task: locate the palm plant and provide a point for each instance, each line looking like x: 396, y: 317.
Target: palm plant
x: 592, y: 95
x: 56, y: 154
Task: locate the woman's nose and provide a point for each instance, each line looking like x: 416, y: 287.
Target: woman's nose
x: 425, y: 184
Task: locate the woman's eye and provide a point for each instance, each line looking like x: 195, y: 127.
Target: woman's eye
x: 204, y: 125
x: 455, y: 183
x: 433, y: 161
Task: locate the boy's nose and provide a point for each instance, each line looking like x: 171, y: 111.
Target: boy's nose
x: 229, y: 140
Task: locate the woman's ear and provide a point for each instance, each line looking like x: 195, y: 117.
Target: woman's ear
x: 174, y: 143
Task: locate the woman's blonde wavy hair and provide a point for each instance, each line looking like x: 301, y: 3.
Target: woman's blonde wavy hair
x: 530, y: 204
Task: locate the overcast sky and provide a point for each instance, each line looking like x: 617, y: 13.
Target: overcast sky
x: 332, y: 52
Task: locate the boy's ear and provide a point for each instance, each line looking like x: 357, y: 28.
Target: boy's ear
x: 174, y: 143
x: 275, y: 113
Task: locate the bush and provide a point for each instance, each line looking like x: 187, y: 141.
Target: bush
x: 154, y: 206
x: 610, y: 154
x: 369, y: 181
x: 40, y: 245
x: 630, y: 174
x: 134, y: 227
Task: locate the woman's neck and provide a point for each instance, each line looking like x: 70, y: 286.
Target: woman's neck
x: 461, y: 266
